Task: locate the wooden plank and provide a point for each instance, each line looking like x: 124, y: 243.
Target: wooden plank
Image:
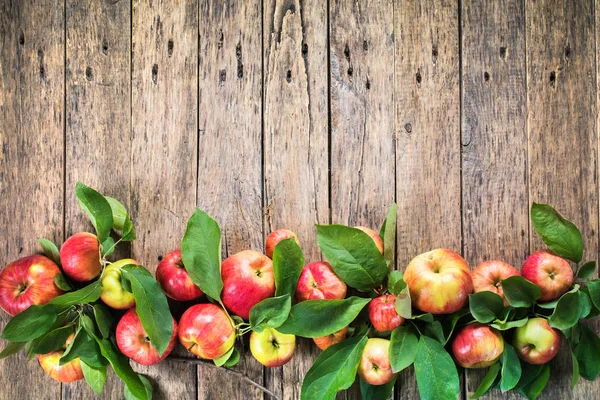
x: 230, y: 156
x: 494, y: 138
x: 563, y: 143
x: 428, y: 134
x: 31, y: 156
x: 98, y: 109
x: 296, y: 143
x: 164, y: 141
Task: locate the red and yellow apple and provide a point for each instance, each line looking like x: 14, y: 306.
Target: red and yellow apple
x: 383, y: 315
x: 551, y: 273
x: 133, y: 341
x: 69, y: 372
x: 28, y: 281
x: 477, y: 346
x: 276, y: 237
x: 324, y: 342
x: 247, y: 280
x: 272, y: 348
x: 488, y: 276
x: 536, y: 342
x: 113, y: 294
x: 374, y: 367
x: 439, y: 281
x: 374, y: 235
x: 319, y: 282
x: 206, y: 331
x: 80, y: 257
x: 174, y: 279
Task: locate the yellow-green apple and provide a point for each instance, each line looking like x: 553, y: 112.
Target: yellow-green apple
x: 536, y: 342
x: 324, y: 342
x: 80, y: 257
x: 174, y: 279
x: 477, y: 346
x: 374, y: 367
x: 247, y: 280
x: 319, y: 282
x: 113, y: 294
x: 383, y: 315
x: 206, y: 331
x: 276, y: 237
x: 272, y: 348
x: 374, y: 235
x: 69, y: 372
x: 488, y: 276
x: 439, y: 281
x: 133, y: 341
x: 551, y: 273
x: 28, y: 281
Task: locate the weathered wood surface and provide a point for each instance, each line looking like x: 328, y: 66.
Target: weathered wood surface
x: 287, y: 113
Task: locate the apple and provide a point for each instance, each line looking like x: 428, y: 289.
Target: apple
x: 69, y: 372
x: 206, y: 331
x: 488, y: 276
x: 28, y: 281
x: 439, y: 281
x: 324, y: 342
x: 374, y: 367
x: 112, y: 292
x: 80, y: 257
x: 477, y: 346
x: 318, y: 281
x: 247, y: 280
x: 272, y: 348
x: 551, y: 273
x: 536, y: 342
x: 374, y: 235
x: 276, y: 237
x: 174, y: 279
x: 383, y: 315
x: 133, y: 341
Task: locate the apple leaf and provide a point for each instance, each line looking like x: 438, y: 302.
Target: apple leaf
x: 395, y: 283
x: 535, y: 387
x: 103, y: 318
x: 61, y: 282
x: 288, y: 262
x: 388, y: 235
x: 219, y: 361
x: 511, y: 368
x: 53, y: 340
x: 97, y: 208
x: 121, y: 220
x: 485, y: 306
x: 435, y: 331
x: 586, y: 351
x: 151, y: 306
x: 564, y: 315
x: 450, y: 322
x: 593, y: 289
x: 585, y: 304
x: 30, y: 323
x: 519, y: 292
x: 107, y: 247
x: 201, y: 253
x: 377, y: 392
x: 147, y: 386
x: 403, y: 348
x: 270, y: 313
x: 575, y: 370
x: 437, y: 377
x: 84, y: 347
x: 50, y: 250
x: 506, y: 325
x: 353, y: 256
x: 334, y: 369
x: 11, y: 348
x: 233, y: 359
x: 403, y: 305
x: 587, y: 270
x: 487, y: 382
x: 94, y: 376
x: 85, y: 295
x: 559, y: 234
x: 315, y: 318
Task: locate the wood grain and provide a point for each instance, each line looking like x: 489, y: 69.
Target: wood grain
x: 31, y: 157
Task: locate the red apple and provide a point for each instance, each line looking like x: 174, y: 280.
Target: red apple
x: 80, y: 257
x: 439, y: 281
x: 276, y: 237
x: 536, y: 342
x: 69, y: 372
x: 133, y: 341
x: 272, y: 348
x: 477, y: 346
x: 550, y: 272
x: 206, y: 331
x: 374, y: 367
x: 174, y: 279
x: 324, y: 342
x: 113, y: 294
x: 318, y: 281
x: 374, y: 235
x: 28, y: 281
x: 488, y: 276
x: 383, y: 315
x: 247, y: 280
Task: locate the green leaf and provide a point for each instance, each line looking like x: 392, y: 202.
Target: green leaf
x: 587, y: 270
x: 353, y: 256
x: 53, y: 340
x: 533, y: 389
x: 86, y: 295
x: 485, y: 306
x: 511, y: 368
x: 586, y: 351
x: 549, y: 305
x: 104, y: 319
x: 121, y: 219
x: 94, y: 376
x: 50, y: 250
x: 519, y: 292
x: 487, y: 382
x: 30, y: 324
x: 107, y: 247
x: 377, y: 392
x: 288, y: 262
x: 334, y: 369
x: 61, y: 282
x: 151, y: 306
x: 315, y: 318
x: 120, y: 365
x: 593, y: 288
x: 233, y: 359
x: 126, y: 284
x: 97, y: 208
x: 503, y: 326
x: 450, y: 322
x: 427, y: 317
x: 396, y: 282
x: 435, y: 331
x: 437, y: 377
x: 585, y: 304
x: 403, y: 348
x: 270, y: 313
x: 147, y: 386
x: 85, y: 347
x: 558, y: 233
x: 388, y: 235
x: 11, y: 348
x: 575, y: 370
x: 403, y: 304
x: 201, y: 253
x: 219, y: 361
x: 566, y: 313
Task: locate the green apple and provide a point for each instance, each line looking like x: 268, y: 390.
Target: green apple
x: 112, y: 293
x: 272, y: 348
x: 536, y: 342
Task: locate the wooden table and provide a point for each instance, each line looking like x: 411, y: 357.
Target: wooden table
x: 289, y: 113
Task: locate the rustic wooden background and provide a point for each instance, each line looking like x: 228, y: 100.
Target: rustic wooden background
x: 274, y: 113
